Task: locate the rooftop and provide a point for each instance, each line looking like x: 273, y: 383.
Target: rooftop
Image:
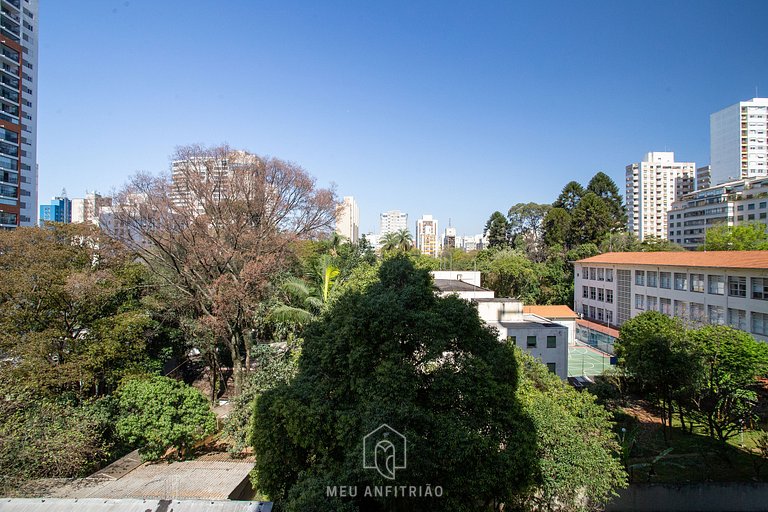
x: 454, y: 285
x: 710, y: 259
x: 557, y: 311
x: 610, y: 331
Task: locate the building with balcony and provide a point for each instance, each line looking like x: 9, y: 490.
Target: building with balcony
x: 348, y: 219
x: 732, y: 203
x: 738, y: 144
x: 652, y: 186
x: 88, y: 209
x: 59, y: 210
x: 703, y: 177
x: 18, y: 113
x: 392, y: 221
x: 712, y: 287
x: 427, y: 238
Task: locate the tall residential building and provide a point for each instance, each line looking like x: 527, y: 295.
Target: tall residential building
x: 449, y: 238
x: 703, y: 177
x: 18, y: 113
x: 59, y: 210
x: 348, y: 219
x: 652, y: 186
x: 738, y: 146
x: 733, y: 203
x: 427, y: 238
x: 392, y: 221
x: 88, y: 209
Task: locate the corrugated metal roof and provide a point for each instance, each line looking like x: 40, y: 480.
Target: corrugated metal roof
x: 709, y: 259
x: 129, y: 505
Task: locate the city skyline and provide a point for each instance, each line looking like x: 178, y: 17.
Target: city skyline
x: 408, y: 103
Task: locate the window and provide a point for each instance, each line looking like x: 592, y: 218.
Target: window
x: 681, y: 281
x: 716, y: 315
x: 751, y: 206
x: 740, y: 208
x: 737, y: 318
x: 609, y: 274
x: 639, y: 301
x: 760, y: 288
x: 592, y: 272
x: 609, y: 316
x: 584, y: 292
x: 716, y: 285
x: 650, y: 303
x: 551, y: 341
x: 600, y: 314
x: 601, y: 294
x: 652, y: 278
x: 531, y: 341
x: 737, y: 286
x: 665, y: 306
x: 601, y: 274
x: 665, y: 280
x: 512, y: 339
x: 552, y: 367
x: 759, y: 323
x: 640, y: 277
x: 697, y: 312
x: 681, y: 309
x: 609, y: 296
x: 591, y: 311
x: 697, y: 283
x: 592, y: 293
x: 585, y: 310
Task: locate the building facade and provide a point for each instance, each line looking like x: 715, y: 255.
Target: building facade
x: 88, y: 208
x: 59, y: 210
x: 348, y: 219
x: 652, y: 185
x: 449, y: 238
x: 703, y: 177
x: 713, y: 287
x: 427, y: 238
x: 392, y: 221
x: 738, y: 146
x: 18, y: 113
x: 732, y: 203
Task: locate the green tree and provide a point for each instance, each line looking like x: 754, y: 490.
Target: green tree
x: 557, y: 227
x: 159, y: 413
x: 655, y: 244
x: 398, y: 241
x: 497, y: 230
x: 570, y: 196
x: 654, y: 349
x: 577, y: 452
x: 396, y: 353
x: 730, y: 362
x: 744, y: 237
x: 604, y: 187
x: 511, y: 274
x: 591, y: 220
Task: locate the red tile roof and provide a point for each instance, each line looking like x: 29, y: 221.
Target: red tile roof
x: 598, y: 327
x: 550, y: 311
x: 711, y: 259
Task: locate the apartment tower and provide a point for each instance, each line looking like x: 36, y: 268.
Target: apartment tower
x: 348, y: 219
x: 392, y: 222
x: 652, y: 186
x: 18, y: 113
x: 427, y: 238
x: 738, y: 148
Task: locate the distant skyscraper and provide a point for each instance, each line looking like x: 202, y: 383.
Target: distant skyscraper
x: 703, y: 177
x: 89, y: 208
x: 427, y: 238
x: 449, y: 238
x: 738, y: 145
x: 348, y: 219
x: 652, y: 186
x: 392, y: 221
x: 59, y: 210
x: 18, y: 113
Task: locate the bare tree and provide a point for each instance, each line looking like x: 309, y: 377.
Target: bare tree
x: 219, y: 228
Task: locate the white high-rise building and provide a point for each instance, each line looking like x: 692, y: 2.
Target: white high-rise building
x: 348, y: 219
x: 18, y: 113
x: 738, y: 145
x: 392, y: 221
x: 427, y: 238
x: 652, y: 186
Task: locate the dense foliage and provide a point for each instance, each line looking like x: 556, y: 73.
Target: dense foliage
x: 745, y: 237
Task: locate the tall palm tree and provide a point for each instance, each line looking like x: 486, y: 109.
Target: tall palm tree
x: 404, y: 240
x: 391, y: 242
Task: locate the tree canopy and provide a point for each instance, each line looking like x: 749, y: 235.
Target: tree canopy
x: 497, y: 230
x: 744, y: 237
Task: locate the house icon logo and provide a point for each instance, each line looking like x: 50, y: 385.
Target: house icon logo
x: 385, y: 450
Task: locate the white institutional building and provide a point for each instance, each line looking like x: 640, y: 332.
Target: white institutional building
x: 392, y: 221
x: 712, y: 287
x: 738, y: 145
x: 348, y: 219
x: 652, y: 185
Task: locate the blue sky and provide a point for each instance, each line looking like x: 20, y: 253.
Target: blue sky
x: 451, y: 108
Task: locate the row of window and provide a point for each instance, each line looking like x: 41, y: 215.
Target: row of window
x: 532, y: 341
x: 600, y: 294
x: 599, y: 314
x: 716, y: 284
x: 598, y: 274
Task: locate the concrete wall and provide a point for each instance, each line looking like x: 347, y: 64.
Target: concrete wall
x: 709, y: 497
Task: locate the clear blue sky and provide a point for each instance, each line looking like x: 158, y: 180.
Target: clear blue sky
x: 451, y: 108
